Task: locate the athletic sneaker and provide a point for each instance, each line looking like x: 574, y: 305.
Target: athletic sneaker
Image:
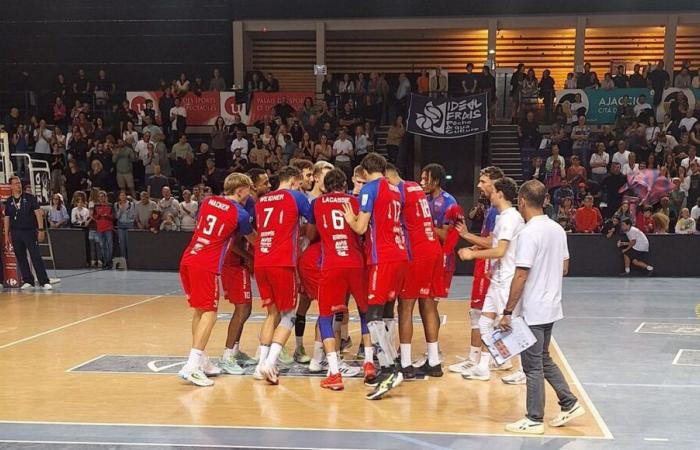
x: 409, y: 373
x: 348, y: 370
x: 420, y: 361
x: 244, y: 359
x: 345, y: 344
x: 370, y: 374
x: 26, y: 286
x: 300, y: 356
x: 565, y: 416
x: 526, y: 426
x: 47, y: 287
x: 285, y: 358
x: 211, y: 369
x: 461, y: 367
x: 333, y: 382
x: 317, y: 367
x: 505, y: 366
x: 477, y: 373
x: 361, y: 351
x: 258, y: 375
x: 430, y: 371
x: 231, y: 366
x: 196, y: 377
x: 269, y: 372
x: 517, y: 377
x: 390, y: 382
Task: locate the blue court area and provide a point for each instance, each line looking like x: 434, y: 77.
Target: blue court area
x: 633, y: 344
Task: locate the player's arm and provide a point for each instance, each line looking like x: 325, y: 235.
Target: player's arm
x: 467, y: 254
x: 479, y: 241
x: 357, y: 222
x: 566, y: 266
x: 516, y: 291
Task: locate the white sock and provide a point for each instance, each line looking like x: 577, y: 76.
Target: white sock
x: 369, y: 354
x: 300, y: 341
x: 474, y: 354
x: 405, y: 355
x: 484, y: 361
x: 433, y: 354
x: 263, y: 351
x: 318, y: 351
x: 650, y: 268
x: 275, y: 350
x: 236, y: 348
x: 195, y: 359
x: 627, y: 270
x: 228, y: 353
x: 333, y: 362
x: 344, y: 333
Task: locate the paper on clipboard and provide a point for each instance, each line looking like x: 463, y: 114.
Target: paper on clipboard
x: 503, y: 345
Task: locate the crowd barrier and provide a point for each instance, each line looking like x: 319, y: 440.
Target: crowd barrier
x: 591, y: 255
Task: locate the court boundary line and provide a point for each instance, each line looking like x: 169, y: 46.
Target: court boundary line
x: 678, y: 357
x: 665, y: 333
x: 78, y: 322
x: 646, y: 385
x: 594, y: 411
x: 165, y: 444
x: 302, y: 429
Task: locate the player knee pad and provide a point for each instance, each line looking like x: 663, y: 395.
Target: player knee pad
x: 287, y: 319
x: 325, y: 326
x: 363, y: 323
x: 375, y: 313
x: 474, y: 315
x: 485, y: 325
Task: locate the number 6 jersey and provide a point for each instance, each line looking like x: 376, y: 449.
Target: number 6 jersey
x: 219, y: 219
x: 340, y: 246
x: 384, y: 239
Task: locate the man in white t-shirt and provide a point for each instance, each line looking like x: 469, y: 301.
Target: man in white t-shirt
x: 622, y: 155
x: 178, y: 113
x: 641, y: 106
x: 631, y: 167
x: 695, y: 212
x: 509, y: 222
x: 692, y: 156
x: 541, y: 261
x: 141, y: 147
x: 240, y: 143
x: 636, y: 250
x: 688, y: 121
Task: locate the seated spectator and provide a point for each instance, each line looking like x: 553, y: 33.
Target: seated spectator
x: 168, y: 203
x: 58, y: 215
x: 683, y: 80
x: 588, y: 218
x: 348, y: 117
x: 169, y: 223
x: 188, y: 212
x: 99, y: 178
x: 323, y: 150
x: 290, y: 148
x: 642, y: 109
x: 625, y: 113
x: 259, y: 155
x: 554, y: 157
x: 213, y: 177
x: 154, y: 222
x: 661, y: 223
x: 691, y: 158
x: 580, y: 135
x: 665, y: 143
x: 566, y: 209
x: 143, y: 210
x: 565, y: 224
x: 576, y: 173
x: 150, y: 126
x: 688, y: 122
x: 305, y: 149
x: 578, y: 108
x: 563, y: 191
x: 632, y: 167
x: 695, y: 212
x: 528, y: 131
x: 537, y: 171
x: 554, y: 176
x: 217, y: 83
x: 685, y: 224
x: 240, y: 142
x: 647, y: 222
x: 156, y: 182
x: 623, y: 212
x: 636, y: 250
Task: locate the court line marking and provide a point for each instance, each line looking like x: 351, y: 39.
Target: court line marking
x: 656, y: 439
x: 645, y: 385
x: 158, y: 444
x: 594, y: 411
x: 641, y: 325
x: 678, y: 357
x: 77, y: 322
x: 668, y: 333
x: 334, y: 430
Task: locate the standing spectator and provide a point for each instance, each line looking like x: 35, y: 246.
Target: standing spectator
x: 123, y: 159
x: 57, y: 166
x: 125, y: 213
x: 182, y: 85
x: 685, y: 224
x: 188, y: 212
x: 306, y: 148
x: 190, y: 174
x: 343, y: 152
x: 636, y: 251
x: 219, y: 136
x: 528, y: 131
x: 258, y: 155
x: 632, y: 167
x: 438, y: 83
x: 217, y: 83
x: 537, y: 172
x: 361, y: 141
x: 24, y: 229
x: 599, y: 163
x: 99, y: 177
x: 42, y: 139
x: 423, y: 83
x: 402, y: 92
x: 130, y: 132
x: 149, y: 112
x: 588, y: 218
x: 143, y: 210
x: 271, y: 84
x: 622, y: 155
x: 620, y: 79
x: 608, y: 84
x: 165, y: 104
x: 683, y: 79
x: 530, y: 90
x: 585, y: 79
x: 394, y: 138
x: 693, y: 184
x: 637, y: 80
x: 541, y: 260
x: 642, y: 109
x: 487, y: 83
x: 659, y: 80
x: 58, y: 216
x: 76, y: 179
x: 576, y: 173
x: 60, y: 118
x: 323, y: 151
x: 240, y: 142
x: 156, y: 183
x: 469, y: 80
x: 178, y: 118
x: 624, y: 115
x: 554, y: 157
x: 168, y: 203
x: 80, y: 214
x: 179, y: 151
x: 547, y: 93
x: 580, y: 135
x: 516, y: 86
x: 104, y: 221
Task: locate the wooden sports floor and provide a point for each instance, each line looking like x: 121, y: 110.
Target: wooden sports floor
x: 91, y: 358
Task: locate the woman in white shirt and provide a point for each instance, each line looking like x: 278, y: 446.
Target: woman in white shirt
x: 631, y: 167
x: 599, y: 163
x: 361, y: 142
x: 188, y: 212
x: 685, y: 224
x: 652, y: 131
x: 80, y: 215
x: 130, y: 131
x: 182, y: 85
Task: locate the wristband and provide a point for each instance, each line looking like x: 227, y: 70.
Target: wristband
x: 507, y: 313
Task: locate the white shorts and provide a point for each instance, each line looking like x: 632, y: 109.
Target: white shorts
x: 496, y: 298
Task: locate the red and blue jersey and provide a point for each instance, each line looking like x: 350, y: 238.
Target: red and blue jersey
x: 278, y: 215
x: 417, y: 221
x: 447, y: 212
x: 340, y: 246
x: 489, y: 221
x: 232, y: 259
x: 219, y: 221
x: 384, y: 240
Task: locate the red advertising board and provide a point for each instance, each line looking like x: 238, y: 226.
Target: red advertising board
x: 201, y: 110
x: 263, y: 103
x: 9, y: 262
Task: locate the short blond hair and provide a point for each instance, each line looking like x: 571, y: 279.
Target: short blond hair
x: 236, y: 180
x: 320, y: 166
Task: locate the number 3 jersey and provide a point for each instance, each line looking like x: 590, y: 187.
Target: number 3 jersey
x: 384, y: 240
x: 277, y: 218
x: 219, y: 221
x: 340, y: 246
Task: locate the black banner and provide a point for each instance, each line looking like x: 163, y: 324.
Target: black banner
x: 448, y: 117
